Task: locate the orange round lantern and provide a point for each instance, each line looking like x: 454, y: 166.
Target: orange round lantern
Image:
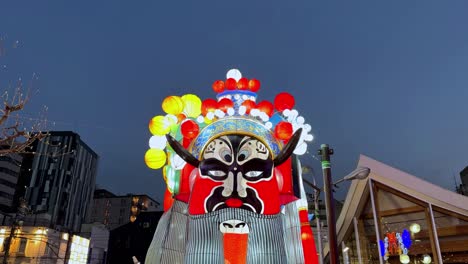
x: 224, y: 104
x: 243, y: 84
x: 266, y: 107
x: 208, y: 105
x: 189, y: 129
x: 283, y: 130
x: 218, y: 86
x: 284, y: 101
x: 254, y: 85
x: 181, y: 117
x: 231, y: 84
x: 249, y: 105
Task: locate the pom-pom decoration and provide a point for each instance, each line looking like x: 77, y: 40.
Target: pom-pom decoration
x: 284, y: 101
x: 231, y: 84
x: 243, y: 84
x: 155, y: 158
x: 249, y: 105
x: 160, y: 125
x: 173, y: 105
x: 283, y: 130
x: 254, y: 85
x: 192, y: 104
x: 224, y: 104
x: 218, y: 86
x: 266, y: 107
x: 208, y: 105
x: 189, y: 129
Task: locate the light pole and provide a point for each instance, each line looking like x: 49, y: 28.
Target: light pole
x: 359, y: 173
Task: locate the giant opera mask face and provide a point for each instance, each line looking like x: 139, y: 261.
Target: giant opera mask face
x: 235, y: 171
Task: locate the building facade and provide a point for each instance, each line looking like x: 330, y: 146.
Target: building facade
x: 116, y: 210
x: 60, y: 179
x: 394, y: 217
x: 10, y: 167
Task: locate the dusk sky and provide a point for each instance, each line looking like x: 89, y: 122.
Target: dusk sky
x: 388, y: 79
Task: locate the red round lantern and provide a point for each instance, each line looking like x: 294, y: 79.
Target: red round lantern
x: 208, y: 105
x: 189, y: 129
x: 224, y: 104
x: 284, y: 101
x: 283, y: 130
x: 243, y: 84
x: 266, y: 107
x: 249, y: 105
x: 254, y: 85
x: 218, y: 86
x: 231, y: 84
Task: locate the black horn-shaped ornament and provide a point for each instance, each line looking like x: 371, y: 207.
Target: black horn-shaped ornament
x: 287, y: 151
x: 182, y: 152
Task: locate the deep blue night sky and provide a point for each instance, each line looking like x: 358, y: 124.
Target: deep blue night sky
x: 384, y: 78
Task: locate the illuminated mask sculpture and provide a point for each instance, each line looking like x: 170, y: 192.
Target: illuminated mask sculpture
x: 234, y: 181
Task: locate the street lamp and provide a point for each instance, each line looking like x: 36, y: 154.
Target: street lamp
x: 360, y: 173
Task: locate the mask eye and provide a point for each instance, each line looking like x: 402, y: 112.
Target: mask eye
x: 216, y: 173
x: 254, y: 173
x: 243, y: 155
x: 226, y: 155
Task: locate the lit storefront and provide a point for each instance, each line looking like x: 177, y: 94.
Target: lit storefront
x: 394, y: 217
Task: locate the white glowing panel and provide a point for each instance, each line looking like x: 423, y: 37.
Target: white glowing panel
x: 79, y: 250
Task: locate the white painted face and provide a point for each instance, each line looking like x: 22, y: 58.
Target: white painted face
x: 234, y: 227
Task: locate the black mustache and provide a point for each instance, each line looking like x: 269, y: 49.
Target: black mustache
x: 217, y: 201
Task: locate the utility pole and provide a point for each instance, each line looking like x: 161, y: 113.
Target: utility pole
x: 17, y: 223
x: 325, y: 153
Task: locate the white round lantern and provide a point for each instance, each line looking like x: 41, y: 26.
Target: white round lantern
x: 404, y: 258
x: 426, y: 259
x: 415, y: 228
x: 235, y: 74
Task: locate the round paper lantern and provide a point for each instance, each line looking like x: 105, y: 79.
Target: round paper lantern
x: 218, y: 86
x: 224, y: 104
x: 155, y: 158
x: 160, y: 125
x: 426, y: 259
x: 189, y: 129
x: 254, y: 85
x: 192, y: 105
x: 243, y: 84
x: 284, y: 101
x: 415, y: 228
x: 173, y: 105
x: 234, y: 73
x: 180, y: 118
x: 231, y: 84
x: 266, y: 107
x: 249, y: 105
x: 283, y: 130
x: 208, y: 105
x: 404, y: 258
x: 158, y: 142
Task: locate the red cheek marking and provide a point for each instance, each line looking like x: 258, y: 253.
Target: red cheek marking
x: 233, y: 202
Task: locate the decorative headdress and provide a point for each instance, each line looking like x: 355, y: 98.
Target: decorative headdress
x: 195, y: 123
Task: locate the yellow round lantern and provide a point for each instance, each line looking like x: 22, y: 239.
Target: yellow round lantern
x: 173, y: 105
x: 160, y: 125
x: 192, y: 105
x: 155, y: 158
